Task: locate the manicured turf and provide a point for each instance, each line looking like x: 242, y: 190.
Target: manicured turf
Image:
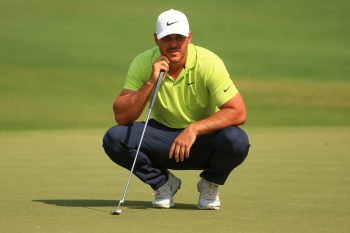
x: 295, y: 180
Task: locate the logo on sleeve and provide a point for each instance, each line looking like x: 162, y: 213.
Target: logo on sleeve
x: 226, y: 89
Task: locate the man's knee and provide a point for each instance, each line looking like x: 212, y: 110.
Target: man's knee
x: 116, y: 143
x: 112, y: 140
x: 236, y: 140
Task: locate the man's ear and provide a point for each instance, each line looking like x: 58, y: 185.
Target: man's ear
x: 155, y: 38
x: 189, y: 37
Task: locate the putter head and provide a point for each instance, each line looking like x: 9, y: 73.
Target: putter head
x: 116, y: 212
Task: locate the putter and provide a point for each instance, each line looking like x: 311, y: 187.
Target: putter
x: 118, y: 211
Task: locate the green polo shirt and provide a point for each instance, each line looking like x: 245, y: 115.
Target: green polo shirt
x: 202, y: 86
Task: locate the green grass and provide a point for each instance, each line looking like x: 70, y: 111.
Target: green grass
x: 294, y: 180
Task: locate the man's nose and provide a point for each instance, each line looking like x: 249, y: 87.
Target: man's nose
x: 173, y: 43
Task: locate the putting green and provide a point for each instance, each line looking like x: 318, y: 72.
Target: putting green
x: 294, y: 180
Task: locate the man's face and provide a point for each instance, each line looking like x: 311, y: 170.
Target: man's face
x: 174, y: 47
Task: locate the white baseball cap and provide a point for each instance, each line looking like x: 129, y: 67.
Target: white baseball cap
x: 172, y: 22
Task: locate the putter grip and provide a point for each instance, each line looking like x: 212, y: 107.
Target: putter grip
x: 155, y: 91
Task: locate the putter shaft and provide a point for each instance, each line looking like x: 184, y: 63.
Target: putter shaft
x: 154, y: 96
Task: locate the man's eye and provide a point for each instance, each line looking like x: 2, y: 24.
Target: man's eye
x: 180, y: 38
x: 167, y: 38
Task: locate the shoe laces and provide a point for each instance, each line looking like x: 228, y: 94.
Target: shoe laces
x: 209, y: 191
x: 163, y: 192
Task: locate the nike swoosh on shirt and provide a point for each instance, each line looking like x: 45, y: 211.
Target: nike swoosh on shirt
x: 190, y: 83
x: 168, y: 24
x: 227, y: 88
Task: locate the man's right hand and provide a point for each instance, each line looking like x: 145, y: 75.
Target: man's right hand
x: 162, y: 63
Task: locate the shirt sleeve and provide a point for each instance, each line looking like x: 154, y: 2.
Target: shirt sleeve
x: 220, y: 85
x: 139, y: 72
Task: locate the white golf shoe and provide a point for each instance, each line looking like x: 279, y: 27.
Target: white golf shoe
x: 209, y: 195
x: 164, y: 195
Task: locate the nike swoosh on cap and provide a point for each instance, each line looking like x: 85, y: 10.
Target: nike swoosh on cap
x: 168, y: 24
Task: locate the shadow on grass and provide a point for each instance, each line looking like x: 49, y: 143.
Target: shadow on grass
x: 89, y: 204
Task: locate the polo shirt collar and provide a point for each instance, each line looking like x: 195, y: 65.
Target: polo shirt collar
x: 191, y: 57
x: 191, y: 61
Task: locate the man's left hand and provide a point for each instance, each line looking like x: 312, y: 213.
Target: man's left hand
x: 180, y: 149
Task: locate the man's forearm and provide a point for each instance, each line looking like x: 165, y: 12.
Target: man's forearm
x: 219, y: 120
x: 129, y: 105
x: 180, y: 149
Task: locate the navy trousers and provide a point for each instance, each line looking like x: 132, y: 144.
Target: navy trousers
x: 217, y: 154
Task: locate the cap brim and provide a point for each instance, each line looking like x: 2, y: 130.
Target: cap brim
x: 170, y: 32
